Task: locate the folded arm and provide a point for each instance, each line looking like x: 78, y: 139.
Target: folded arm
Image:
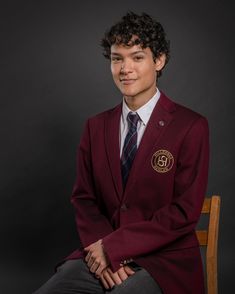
x: 92, y: 225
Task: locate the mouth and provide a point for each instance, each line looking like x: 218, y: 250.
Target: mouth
x: 127, y: 81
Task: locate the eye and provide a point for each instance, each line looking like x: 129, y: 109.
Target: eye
x: 138, y: 57
x: 115, y: 59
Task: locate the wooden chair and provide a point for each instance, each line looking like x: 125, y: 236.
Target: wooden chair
x: 209, y: 238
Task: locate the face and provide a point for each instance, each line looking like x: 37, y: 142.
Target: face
x: 134, y: 71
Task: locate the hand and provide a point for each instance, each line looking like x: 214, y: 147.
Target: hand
x: 96, y: 258
x: 110, y: 279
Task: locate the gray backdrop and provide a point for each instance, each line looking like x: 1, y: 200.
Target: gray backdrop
x: 53, y: 76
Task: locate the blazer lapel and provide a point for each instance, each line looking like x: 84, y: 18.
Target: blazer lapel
x: 112, y: 125
x: 159, y: 120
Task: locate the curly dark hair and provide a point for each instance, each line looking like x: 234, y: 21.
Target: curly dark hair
x: 149, y: 32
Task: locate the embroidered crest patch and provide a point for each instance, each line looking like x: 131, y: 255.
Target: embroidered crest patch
x: 162, y: 161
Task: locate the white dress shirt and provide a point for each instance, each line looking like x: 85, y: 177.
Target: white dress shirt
x: 144, y: 113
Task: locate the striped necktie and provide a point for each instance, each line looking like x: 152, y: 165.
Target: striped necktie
x: 130, y: 146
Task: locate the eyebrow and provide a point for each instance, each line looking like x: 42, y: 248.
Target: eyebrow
x: 133, y: 53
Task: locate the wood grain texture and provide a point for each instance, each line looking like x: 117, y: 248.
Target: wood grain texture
x: 209, y: 238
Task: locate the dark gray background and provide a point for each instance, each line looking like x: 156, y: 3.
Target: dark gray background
x: 53, y: 76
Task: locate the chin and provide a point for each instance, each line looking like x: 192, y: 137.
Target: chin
x: 129, y: 92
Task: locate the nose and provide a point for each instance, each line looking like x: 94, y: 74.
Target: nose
x: 126, y: 67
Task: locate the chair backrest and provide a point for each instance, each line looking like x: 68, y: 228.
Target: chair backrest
x: 209, y: 238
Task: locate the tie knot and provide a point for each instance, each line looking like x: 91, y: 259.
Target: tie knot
x: 133, y: 119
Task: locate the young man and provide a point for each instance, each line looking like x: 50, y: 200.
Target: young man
x: 141, y: 178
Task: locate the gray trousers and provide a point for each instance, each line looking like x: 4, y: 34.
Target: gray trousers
x: 74, y: 277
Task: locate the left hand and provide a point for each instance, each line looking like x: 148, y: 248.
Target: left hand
x: 109, y: 279
x: 96, y: 258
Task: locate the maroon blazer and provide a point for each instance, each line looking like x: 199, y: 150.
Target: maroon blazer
x: 153, y: 220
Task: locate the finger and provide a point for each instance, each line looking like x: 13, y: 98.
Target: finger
x: 122, y: 274
x: 115, y: 277
x: 94, y: 267
x: 108, y: 279
x: 87, y: 256
x: 99, y: 270
x: 129, y: 271
x: 103, y: 281
x: 90, y: 261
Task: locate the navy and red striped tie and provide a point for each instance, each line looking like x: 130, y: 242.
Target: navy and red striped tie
x: 130, y: 146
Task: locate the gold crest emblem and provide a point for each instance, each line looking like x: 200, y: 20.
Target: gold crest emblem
x: 162, y: 161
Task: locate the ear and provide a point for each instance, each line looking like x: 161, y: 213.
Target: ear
x: 160, y: 62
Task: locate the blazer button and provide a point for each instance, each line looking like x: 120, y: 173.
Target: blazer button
x: 123, y: 207
x: 161, y: 123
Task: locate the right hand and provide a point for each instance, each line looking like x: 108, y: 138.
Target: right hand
x: 110, y: 279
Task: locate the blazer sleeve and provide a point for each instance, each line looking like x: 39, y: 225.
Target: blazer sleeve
x: 91, y: 224
x: 177, y: 219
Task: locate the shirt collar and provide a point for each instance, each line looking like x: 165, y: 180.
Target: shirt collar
x: 144, y: 111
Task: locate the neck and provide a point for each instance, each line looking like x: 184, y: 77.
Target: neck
x: 135, y: 102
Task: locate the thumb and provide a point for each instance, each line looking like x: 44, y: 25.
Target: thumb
x: 87, y: 248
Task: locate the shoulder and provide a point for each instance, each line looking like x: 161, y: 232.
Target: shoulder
x: 97, y: 123
x: 100, y: 117
x: 184, y: 117
x: 187, y: 113
x: 194, y: 122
